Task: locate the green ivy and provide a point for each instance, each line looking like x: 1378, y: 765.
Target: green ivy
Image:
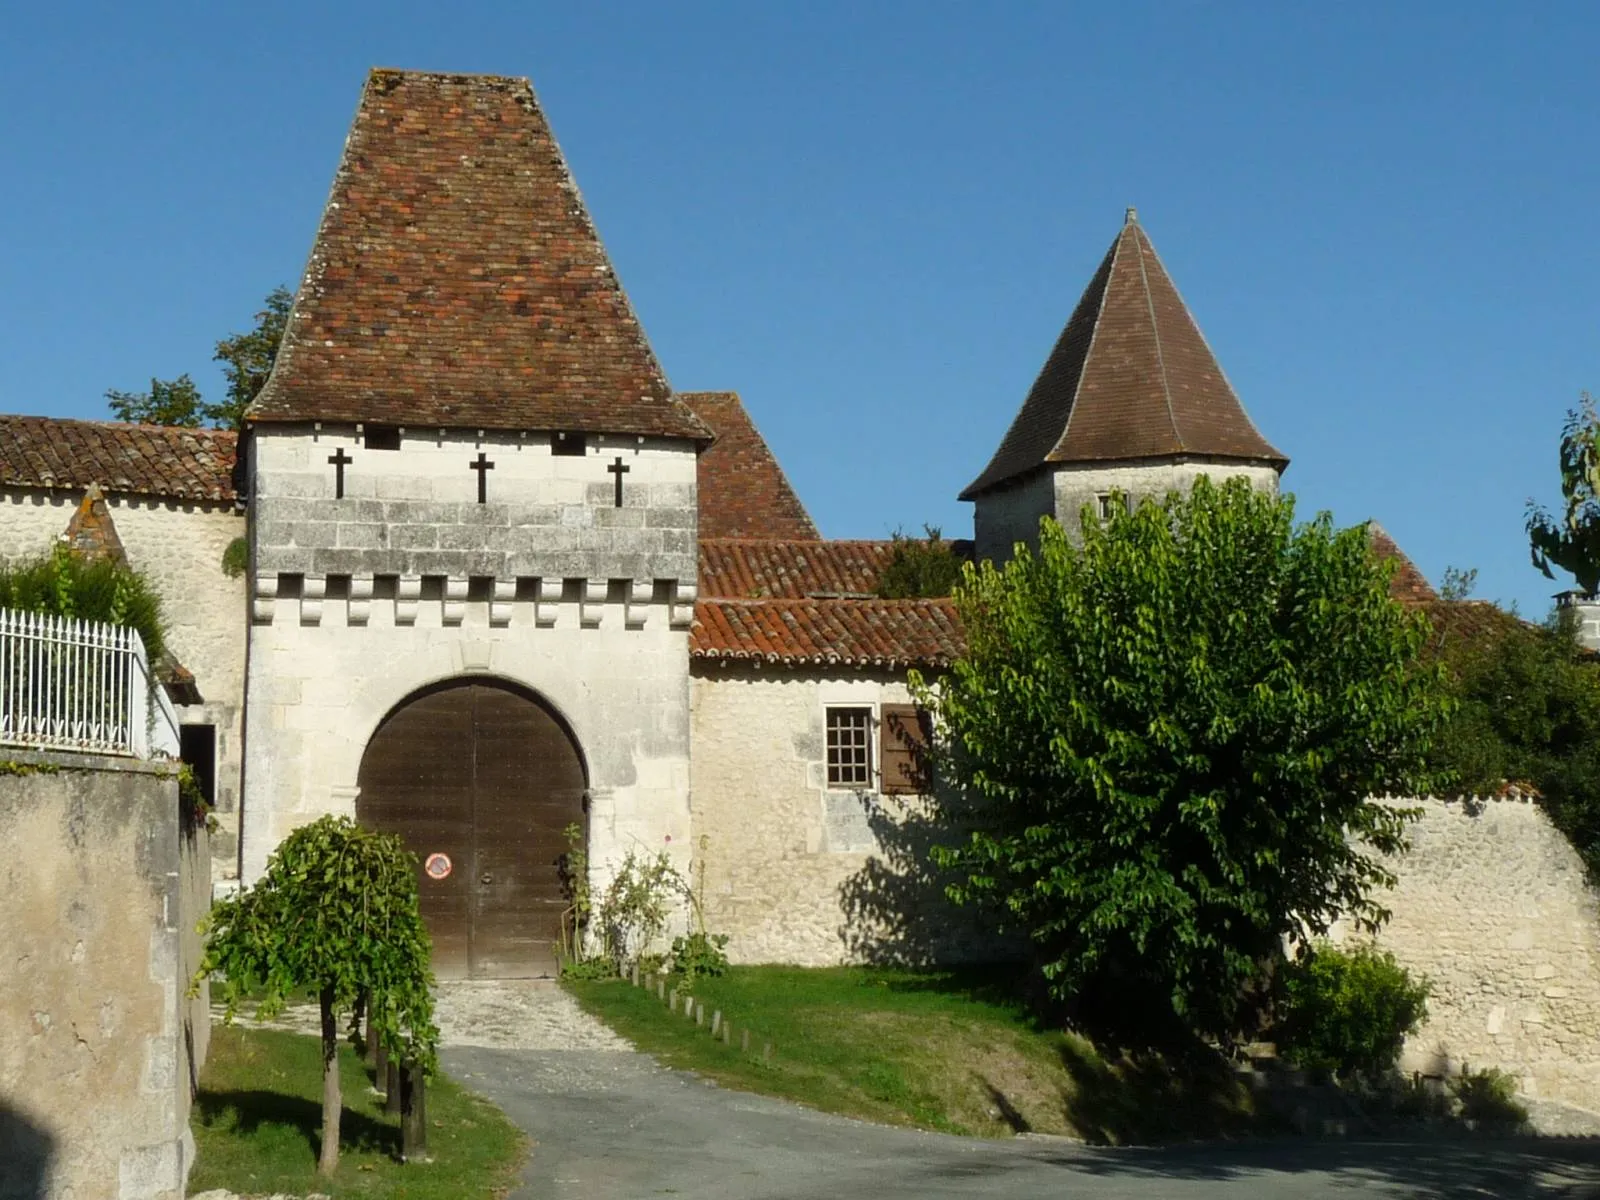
x: 236, y: 558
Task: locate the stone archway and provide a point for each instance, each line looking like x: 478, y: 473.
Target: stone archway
x: 481, y: 780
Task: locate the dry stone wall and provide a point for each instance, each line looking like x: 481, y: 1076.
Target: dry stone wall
x: 1493, y: 907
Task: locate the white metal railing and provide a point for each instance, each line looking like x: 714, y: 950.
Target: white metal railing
x: 67, y: 684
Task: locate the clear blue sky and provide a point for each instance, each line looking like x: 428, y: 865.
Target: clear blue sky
x: 872, y: 220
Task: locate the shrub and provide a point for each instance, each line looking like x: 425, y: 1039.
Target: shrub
x: 1348, y: 1012
x: 1489, y: 1098
x: 701, y: 955
x: 920, y: 570
x: 91, y: 589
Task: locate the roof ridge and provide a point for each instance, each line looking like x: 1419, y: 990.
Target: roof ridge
x: 1155, y: 327
x: 102, y: 423
x: 1088, y: 351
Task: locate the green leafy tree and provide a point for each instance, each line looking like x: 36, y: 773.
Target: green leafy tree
x: 1527, y: 713
x: 1168, y: 741
x: 1573, y: 542
x: 168, y: 402
x: 247, y: 359
x: 920, y: 570
x: 336, y: 915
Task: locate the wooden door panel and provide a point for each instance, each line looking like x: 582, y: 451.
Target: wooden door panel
x: 413, y: 782
x: 528, y: 789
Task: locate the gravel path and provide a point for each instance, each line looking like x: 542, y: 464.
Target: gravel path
x: 518, y: 1014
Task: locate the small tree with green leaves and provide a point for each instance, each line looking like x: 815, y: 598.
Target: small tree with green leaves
x: 1573, y: 542
x: 168, y: 402
x: 335, y: 915
x: 920, y: 569
x: 1169, y: 741
x: 247, y: 359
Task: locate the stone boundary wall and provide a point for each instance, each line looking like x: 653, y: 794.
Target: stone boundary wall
x: 100, y: 1045
x: 1492, y: 905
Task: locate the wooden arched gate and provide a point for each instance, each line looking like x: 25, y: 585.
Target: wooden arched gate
x: 481, y: 780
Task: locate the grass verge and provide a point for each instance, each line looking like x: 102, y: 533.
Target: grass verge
x: 258, y: 1114
x: 944, y: 1050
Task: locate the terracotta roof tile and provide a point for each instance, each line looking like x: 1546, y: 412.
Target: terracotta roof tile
x: 743, y: 490
x: 1131, y: 377
x: 1408, y: 585
x: 457, y: 279
x: 91, y: 533
x: 758, y: 568
x: 141, y: 460
x: 853, y: 633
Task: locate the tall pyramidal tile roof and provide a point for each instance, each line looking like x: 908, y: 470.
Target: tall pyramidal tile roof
x: 743, y: 491
x: 1130, y: 378
x: 457, y: 279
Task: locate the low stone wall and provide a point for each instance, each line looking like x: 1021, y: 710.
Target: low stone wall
x: 1493, y: 907
x: 99, y: 1043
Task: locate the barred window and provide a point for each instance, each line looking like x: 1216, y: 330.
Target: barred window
x: 849, y: 747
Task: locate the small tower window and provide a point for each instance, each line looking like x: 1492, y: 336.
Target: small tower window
x: 381, y: 437
x: 574, y: 445
x: 1107, y: 503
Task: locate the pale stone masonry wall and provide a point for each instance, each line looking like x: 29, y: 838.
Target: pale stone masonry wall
x: 1493, y: 908
x: 1011, y: 514
x: 407, y: 581
x: 99, y: 1042
x: 414, y: 511
x: 178, y: 546
x: 791, y: 870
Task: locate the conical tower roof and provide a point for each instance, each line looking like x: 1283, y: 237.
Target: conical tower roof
x: 1131, y: 378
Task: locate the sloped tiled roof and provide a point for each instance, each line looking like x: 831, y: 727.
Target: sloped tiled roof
x: 850, y: 633
x: 140, y: 460
x: 753, y: 569
x: 1131, y: 377
x: 1408, y: 585
x: 457, y: 279
x: 743, y: 491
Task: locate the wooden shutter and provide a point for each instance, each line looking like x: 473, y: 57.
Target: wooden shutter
x: 903, y: 749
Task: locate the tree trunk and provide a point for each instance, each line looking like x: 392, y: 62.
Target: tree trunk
x: 413, y: 1116
x: 332, y: 1102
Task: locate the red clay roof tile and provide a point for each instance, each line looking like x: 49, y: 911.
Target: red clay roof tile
x: 743, y: 491
x: 1408, y: 585
x: 850, y: 633
x: 457, y: 279
x: 141, y: 460
x: 759, y: 568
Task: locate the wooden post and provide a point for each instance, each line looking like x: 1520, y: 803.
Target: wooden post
x: 364, y: 1008
x: 744, y: 1041
x: 716, y: 1022
x: 635, y: 975
x: 413, y: 1116
x: 672, y: 1001
x: 699, y: 1013
x: 661, y: 989
x: 727, y: 1033
x: 766, y: 1052
x: 391, y: 1085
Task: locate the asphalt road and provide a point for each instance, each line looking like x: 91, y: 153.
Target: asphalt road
x: 611, y: 1125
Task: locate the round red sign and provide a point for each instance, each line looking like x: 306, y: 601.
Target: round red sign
x: 438, y: 866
